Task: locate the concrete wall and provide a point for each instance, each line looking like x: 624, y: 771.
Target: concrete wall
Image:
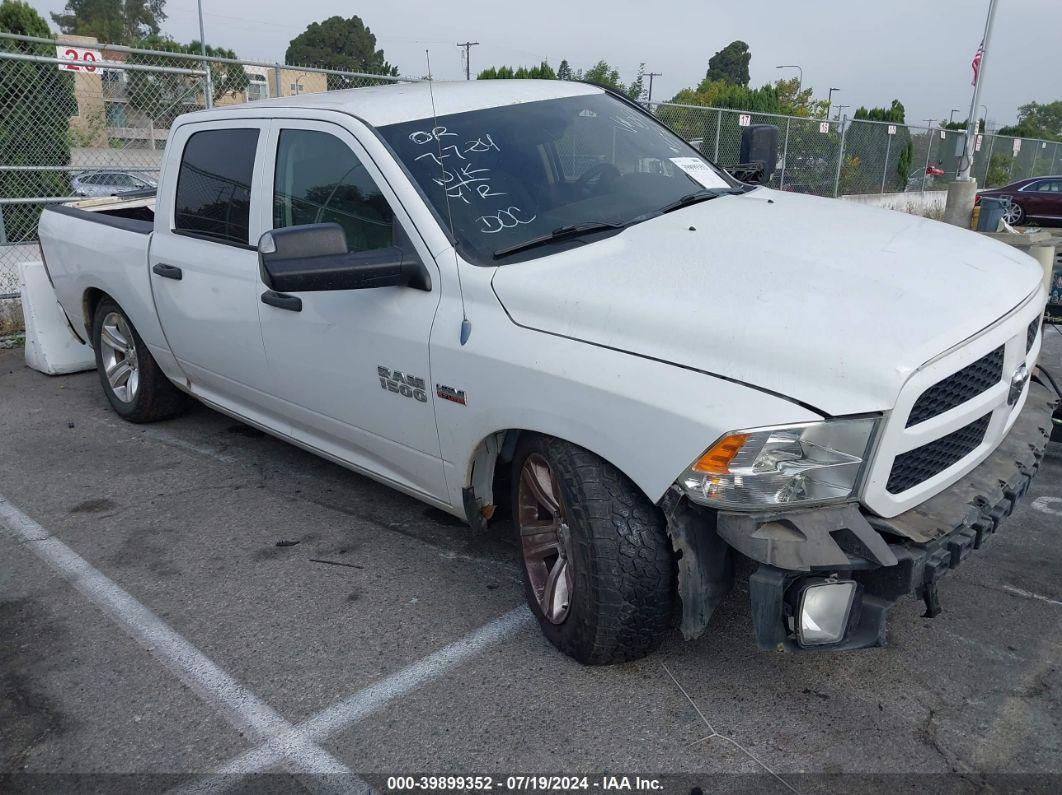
x: 929, y: 204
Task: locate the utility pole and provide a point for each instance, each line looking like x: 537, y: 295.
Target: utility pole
x: 468, y: 45
x: 651, y: 75
x: 208, y: 87
x: 839, y: 109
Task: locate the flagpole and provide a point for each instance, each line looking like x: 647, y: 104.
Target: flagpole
x: 966, y: 163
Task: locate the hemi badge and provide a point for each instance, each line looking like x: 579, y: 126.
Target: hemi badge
x: 451, y: 394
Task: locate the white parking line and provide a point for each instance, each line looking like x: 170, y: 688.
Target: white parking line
x: 364, y: 703
x: 245, y: 711
x: 1030, y: 595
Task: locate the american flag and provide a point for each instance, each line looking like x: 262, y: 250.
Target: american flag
x: 976, y: 63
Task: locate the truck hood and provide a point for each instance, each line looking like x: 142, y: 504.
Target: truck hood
x: 825, y: 302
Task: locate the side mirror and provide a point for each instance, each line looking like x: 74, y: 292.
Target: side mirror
x: 315, y: 258
x: 759, y: 154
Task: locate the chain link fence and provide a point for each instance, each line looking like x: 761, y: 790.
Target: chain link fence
x: 80, y: 119
x: 852, y: 156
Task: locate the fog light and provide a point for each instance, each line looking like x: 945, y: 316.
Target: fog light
x: 824, y: 610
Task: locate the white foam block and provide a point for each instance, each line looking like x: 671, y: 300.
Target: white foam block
x: 51, y: 346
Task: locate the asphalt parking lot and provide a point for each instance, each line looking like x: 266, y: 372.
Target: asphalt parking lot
x: 198, y: 601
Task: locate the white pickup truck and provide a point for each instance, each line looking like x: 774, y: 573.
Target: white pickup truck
x: 532, y: 299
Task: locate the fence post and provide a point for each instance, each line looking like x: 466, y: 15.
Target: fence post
x: 785, y: 153
x: 840, y: 157
x: 888, y: 151
x: 718, y: 127
x: 929, y: 153
x: 3, y: 231
x: 1054, y: 157
x: 276, y: 80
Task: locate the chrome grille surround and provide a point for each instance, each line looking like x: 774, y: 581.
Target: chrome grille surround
x: 897, y: 438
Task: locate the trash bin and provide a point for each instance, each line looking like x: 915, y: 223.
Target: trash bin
x: 991, y: 214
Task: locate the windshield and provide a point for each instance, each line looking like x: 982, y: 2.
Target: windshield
x: 507, y: 175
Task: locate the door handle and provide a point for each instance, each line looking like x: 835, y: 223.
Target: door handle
x: 282, y: 300
x: 167, y: 271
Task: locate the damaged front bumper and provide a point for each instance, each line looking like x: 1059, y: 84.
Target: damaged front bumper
x: 886, y: 558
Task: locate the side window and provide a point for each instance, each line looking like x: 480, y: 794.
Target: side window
x: 214, y: 184
x: 319, y: 180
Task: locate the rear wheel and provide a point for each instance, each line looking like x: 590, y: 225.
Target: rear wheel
x: 597, y: 561
x: 132, y: 381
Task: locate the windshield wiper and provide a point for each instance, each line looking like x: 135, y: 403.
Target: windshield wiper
x: 560, y: 233
x: 692, y: 198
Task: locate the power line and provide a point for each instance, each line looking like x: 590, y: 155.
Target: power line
x: 468, y: 45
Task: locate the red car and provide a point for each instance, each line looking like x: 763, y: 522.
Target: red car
x: 1038, y: 198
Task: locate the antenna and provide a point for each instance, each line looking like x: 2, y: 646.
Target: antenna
x: 466, y: 324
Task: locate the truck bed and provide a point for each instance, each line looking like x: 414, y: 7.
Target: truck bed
x: 134, y: 214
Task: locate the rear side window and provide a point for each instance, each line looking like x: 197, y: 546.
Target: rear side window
x: 214, y: 185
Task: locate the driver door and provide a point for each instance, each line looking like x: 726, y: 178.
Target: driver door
x: 352, y: 365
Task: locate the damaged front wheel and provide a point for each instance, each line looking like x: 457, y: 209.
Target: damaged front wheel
x: 597, y: 562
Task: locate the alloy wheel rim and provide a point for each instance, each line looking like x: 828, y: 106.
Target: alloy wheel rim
x: 545, y: 539
x: 1012, y: 213
x: 120, y: 364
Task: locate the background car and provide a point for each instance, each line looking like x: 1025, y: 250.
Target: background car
x: 110, y: 183
x: 1038, y: 198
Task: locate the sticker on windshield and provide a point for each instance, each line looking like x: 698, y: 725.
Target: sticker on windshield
x: 700, y: 171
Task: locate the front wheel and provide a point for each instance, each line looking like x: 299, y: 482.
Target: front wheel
x: 597, y: 562
x: 136, y: 388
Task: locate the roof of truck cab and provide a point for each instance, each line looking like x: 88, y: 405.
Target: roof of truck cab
x: 402, y: 102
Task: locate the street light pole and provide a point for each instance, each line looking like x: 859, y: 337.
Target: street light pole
x: 208, y: 89
x: 971, y: 122
x: 800, y: 79
x: 829, y: 102
x: 951, y: 118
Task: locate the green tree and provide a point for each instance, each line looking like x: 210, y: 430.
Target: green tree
x: 730, y: 64
x: 873, y: 144
x: 37, y: 97
x: 541, y: 72
x: 344, y: 44
x: 112, y: 21
x: 163, y: 96
x: 1037, y: 121
x: 601, y: 74
x: 564, y: 71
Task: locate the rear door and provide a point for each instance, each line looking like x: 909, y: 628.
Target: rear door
x: 352, y: 364
x: 204, y: 263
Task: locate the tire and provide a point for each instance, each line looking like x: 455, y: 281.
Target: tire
x: 606, y: 552
x: 139, y: 391
x: 1014, y: 214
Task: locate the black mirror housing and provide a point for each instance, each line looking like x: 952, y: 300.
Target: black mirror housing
x: 315, y: 258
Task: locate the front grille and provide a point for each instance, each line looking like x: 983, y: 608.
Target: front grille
x: 1034, y: 327
x: 958, y: 387
x: 918, y: 465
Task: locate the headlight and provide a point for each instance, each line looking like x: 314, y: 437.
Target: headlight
x: 786, y: 465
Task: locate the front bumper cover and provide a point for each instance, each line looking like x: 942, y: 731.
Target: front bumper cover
x: 907, y: 554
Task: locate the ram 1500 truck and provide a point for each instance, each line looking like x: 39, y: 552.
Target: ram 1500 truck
x: 533, y: 299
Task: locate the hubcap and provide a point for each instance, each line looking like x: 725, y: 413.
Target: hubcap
x: 1012, y: 213
x: 119, y: 357
x: 544, y: 538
